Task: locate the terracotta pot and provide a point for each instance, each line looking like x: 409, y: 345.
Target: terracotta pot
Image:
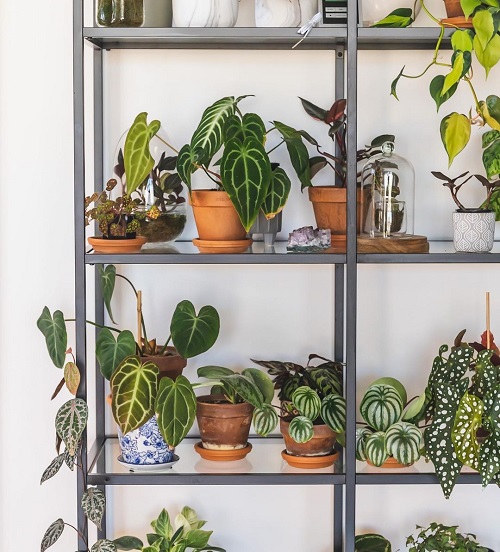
x: 321, y: 444
x: 391, y: 463
x: 330, y: 210
x: 170, y: 365
x: 215, y: 216
x: 223, y: 426
x: 453, y: 8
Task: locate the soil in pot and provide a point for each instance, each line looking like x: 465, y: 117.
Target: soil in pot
x: 166, y: 228
x: 223, y: 426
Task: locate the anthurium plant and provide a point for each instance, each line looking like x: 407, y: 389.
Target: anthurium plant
x: 245, y: 171
x: 439, y: 537
x: 463, y: 404
x: 174, y: 402
x: 388, y: 429
x: 483, y: 43
x: 310, y: 395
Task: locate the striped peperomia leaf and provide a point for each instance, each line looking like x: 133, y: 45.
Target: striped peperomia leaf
x: 362, y: 435
x: 301, y: 429
x: 71, y: 420
x: 381, y: 406
x: 175, y: 408
x: 333, y: 412
x: 307, y: 402
x: 376, y: 452
x: 133, y: 388
x: 403, y: 441
x: 265, y: 420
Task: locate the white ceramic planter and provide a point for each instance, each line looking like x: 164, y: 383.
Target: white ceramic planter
x: 371, y: 11
x: 473, y: 232
x: 205, y: 13
x: 157, y: 13
x: 277, y: 13
x: 308, y: 9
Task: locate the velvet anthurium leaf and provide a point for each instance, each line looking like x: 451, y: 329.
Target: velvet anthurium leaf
x: 93, y: 504
x: 53, y: 328
x: 438, y: 441
x: 262, y: 381
x: 246, y: 176
x: 403, y: 441
x: 467, y: 422
x: 245, y: 388
x: 375, y: 449
x: 326, y: 378
x: 436, y: 90
x: 53, y: 468
x: 455, y: 133
x: 133, y: 389
x: 333, y: 412
x: 490, y: 110
x: 489, y: 55
x: 299, y: 156
x: 72, y: 377
x: 193, y: 334
x: 187, y: 163
x: 307, y: 402
x: 110, y: 352
x: 128, y: 543
x: 278, y: 193
x: 107, y: 279
x: 371, y: 542
x: 71, y: 420
x: 250, y: 126
x: 401, y: 17
x: 381, y: 406
x: 137, y: 157
x: 265, y: 420
x: 301, y: 429
x: 104, y: 545
x: 362, y: 434
x: 175, y: 408
x: 52, y: 534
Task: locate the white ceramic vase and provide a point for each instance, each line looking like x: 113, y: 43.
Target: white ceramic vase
x: 308, y: 9
x: 371, y: 11
x: 473, y: 232
x: 277, y: 13
x: 205, y: 13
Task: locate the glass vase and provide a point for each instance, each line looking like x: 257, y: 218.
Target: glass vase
x: 120, y: 13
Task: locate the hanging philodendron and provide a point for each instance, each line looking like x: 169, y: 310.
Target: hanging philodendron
x: 464, y: 405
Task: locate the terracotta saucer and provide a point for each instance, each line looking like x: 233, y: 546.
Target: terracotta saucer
x: 391, y: 463
x: 222, y: 246
x: 459, y: 21
x: 309, y: 462
x: 101, y: 245
x: 222, y: 455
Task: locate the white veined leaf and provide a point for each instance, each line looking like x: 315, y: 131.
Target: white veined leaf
x: 52, y: 534
x: 104, y: 545
x: 53, y: 468
x: 71, y: 420
x: 94, y: 504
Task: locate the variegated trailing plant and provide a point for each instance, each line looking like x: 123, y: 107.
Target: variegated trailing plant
x: 483, y: 43
x: 388, y: 429
x: 70, y: 423
x: 462, y: 400
x: 245, y: 170
x: 310, y: 395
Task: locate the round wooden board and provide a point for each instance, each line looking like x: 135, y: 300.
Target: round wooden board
x: 222, y: 455
x: 309, y: 462
x: 404, y: 244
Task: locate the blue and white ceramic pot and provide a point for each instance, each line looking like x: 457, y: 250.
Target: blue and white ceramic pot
x: 145, y: 445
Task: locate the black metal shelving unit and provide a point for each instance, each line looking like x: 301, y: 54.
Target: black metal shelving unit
x: 98, y: 462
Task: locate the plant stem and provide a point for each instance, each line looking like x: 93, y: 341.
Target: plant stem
x: 164, y: 348
x: 93, y: 324
x: 275, y: 147
x: 79, y: 533
x: 167, y: 144
x: 142, y: 318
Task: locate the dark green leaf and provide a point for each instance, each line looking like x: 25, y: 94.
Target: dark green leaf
x: 107, y: 278
x: 297, y: 151
x: 251, y: 126
x: 128, y: 543
x: 371, y: 542
x: 278, y: 193
x: 56, y: 338
x: 110, y: 352
x: 262, y: 381
x: 313, y: 110
x: 394, y: 83
x: 187, y: 164
x: 381, y: 140
x: 436, y: 90
x: 214, y: 372
x: 402, y: 17
x: 245, y: 388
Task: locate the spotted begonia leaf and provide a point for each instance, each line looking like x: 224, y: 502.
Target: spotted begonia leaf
x: 463, y: 435
x: 438, y: 444
x: 486, y: 374
x: 489, y: 451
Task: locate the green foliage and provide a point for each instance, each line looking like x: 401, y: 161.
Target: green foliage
x: 381, y: 406
x: 71, y: 419
x: 443, y: 537
x: 93, y: 504
x: 371, y: 542
x: 402, y: 17
x: 53, y: 328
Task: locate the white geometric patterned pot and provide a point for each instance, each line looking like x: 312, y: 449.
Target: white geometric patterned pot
x: 473, y: 231
x: 145, y: 445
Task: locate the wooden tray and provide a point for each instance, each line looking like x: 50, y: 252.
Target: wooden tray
x: 404, y: 244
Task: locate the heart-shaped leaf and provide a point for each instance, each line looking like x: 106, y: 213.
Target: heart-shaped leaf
x: 490, y: 109
x: 461, y: 62
x: 107, y: 279
x: 489, y: 55
x: 455, y: 134
x: 468, y: 6
x: 265, y: 420
x: 250, y: 126
x: 133, y: 389
x: 56, y: 338
x: 193, y: 334
x: 53, y: 468
x: 461, y: 40
x: 136, y: 154
x: 484, y: 26
x: 278, y: 193
x: 52, y: 534
x: 71, y: 420
x: 72, y: 377
x: 110, y: 352
x: 175, y: 408
x: 436, y: 90
x: 128, y: 543
x: 307, y: 402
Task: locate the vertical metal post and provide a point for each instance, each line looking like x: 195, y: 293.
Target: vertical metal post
x: 351, y: 284
x: 79, y: 194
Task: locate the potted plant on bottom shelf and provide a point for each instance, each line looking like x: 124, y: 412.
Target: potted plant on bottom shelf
x: 439, y: 538
x: 246, y: 185
x: 371, y: 542
x: 388, y: 438
x: 473, y: 228
x: 312, y: 412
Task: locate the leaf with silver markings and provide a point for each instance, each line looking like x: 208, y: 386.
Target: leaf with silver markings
x: 53, y: 468
x: 71, y: 420
x: 93, y: 504
x: 52, y: 534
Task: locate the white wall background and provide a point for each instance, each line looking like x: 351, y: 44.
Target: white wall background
x: 405, y: 312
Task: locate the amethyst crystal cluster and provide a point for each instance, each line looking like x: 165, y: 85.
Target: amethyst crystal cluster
x: 306, y: 239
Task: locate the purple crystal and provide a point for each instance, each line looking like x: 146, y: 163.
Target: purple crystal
x: 308, y: 239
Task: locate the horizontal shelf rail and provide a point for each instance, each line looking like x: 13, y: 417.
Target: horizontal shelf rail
x: 412, y: 38
x: 394, y: 478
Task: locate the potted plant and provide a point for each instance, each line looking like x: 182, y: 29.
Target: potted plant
x: 245, y: 183
x: 473, y: 228
x: 439, y: 538
x: 142, y: 360
x: 461, y: 400
x: 153, y: 183
x: 388, y: 438
x: 371, y: 542
x: 312, y: 411
x: 329, y: 202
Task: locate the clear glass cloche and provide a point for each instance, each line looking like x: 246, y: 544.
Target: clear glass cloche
x: 388, y: 183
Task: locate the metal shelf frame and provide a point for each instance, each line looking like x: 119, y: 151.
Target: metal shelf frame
x: 347, y: 40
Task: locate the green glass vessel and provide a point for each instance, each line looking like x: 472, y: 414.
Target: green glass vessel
x: 120, y: 13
